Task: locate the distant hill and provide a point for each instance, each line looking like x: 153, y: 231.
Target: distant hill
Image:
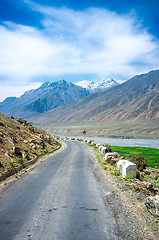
x: 136, y: 99
x: 45, y: 98
x: 94, y: 87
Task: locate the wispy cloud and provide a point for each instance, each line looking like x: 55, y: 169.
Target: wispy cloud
x: 93, y: 41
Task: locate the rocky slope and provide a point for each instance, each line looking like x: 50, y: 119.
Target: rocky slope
x: 46, y: 97
x: 20, y: 143
x: 94, y: 87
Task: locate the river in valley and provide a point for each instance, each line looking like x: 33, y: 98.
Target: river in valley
x: 152, y: 143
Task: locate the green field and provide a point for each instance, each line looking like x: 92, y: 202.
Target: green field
x: 151, y: 154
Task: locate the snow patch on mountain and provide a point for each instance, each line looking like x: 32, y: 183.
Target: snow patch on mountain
x: 98, y: 86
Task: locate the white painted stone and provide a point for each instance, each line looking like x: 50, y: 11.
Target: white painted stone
x: 97, y: 145
x: 111, y: 154
x: 120, y: 165
x: 126, y: 168
x: 103, y: 150
x: 100, y: 148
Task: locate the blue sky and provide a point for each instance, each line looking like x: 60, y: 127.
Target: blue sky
x: 75, y: 40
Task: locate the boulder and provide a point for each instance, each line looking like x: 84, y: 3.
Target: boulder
x: 112, y: 160
x: 149, y: 186
x: 2, y: 124
x: 26, y: 155
x: 152, y: 204
x: 17, y: 151
x: 111, y: 154
x: 100, y: 148
x: 103, y: 150
x: 22, y: 121
x: 126, y: 168
x: 97, y: 145
x: 39, y: 142
x: 106, y: 150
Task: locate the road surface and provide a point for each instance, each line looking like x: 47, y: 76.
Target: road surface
x: 60, y: 199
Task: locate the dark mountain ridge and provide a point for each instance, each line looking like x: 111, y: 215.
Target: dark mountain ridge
x: 46, y: 97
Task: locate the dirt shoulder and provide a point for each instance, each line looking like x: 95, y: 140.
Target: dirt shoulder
x: 127, y: 205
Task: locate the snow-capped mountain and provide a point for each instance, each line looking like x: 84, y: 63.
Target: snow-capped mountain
x: 93, y: 87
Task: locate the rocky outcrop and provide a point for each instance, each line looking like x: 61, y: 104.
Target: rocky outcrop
x: 152, y: 204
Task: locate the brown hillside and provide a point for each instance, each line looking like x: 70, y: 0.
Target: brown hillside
x: 20, y: 143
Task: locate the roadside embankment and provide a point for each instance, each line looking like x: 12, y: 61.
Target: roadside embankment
x: 22, y: 144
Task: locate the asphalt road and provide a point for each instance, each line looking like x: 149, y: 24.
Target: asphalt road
x: 60, y: 199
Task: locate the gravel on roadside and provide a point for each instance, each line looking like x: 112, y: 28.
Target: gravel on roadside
x: 127, y: 205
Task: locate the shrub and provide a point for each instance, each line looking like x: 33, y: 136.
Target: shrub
x: 44, y: 150
x: 20, y: 161
x: 138, y: 175
x: 115, y: 172
x: 107, y: 146
x: 12, y: 163
x: 140, y: 161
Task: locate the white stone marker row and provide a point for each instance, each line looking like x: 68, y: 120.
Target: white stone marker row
x: 125, y: 167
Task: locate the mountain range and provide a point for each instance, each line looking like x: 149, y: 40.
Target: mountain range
x: 46, y: 97
x: 136, y: 99
x: 50, y: 96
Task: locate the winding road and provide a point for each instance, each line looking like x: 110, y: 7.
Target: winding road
x: 61, y: 199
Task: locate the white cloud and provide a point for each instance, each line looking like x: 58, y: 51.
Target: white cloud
x: 24, y: 52
x: 16, y: 90
x: 95, y: 41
